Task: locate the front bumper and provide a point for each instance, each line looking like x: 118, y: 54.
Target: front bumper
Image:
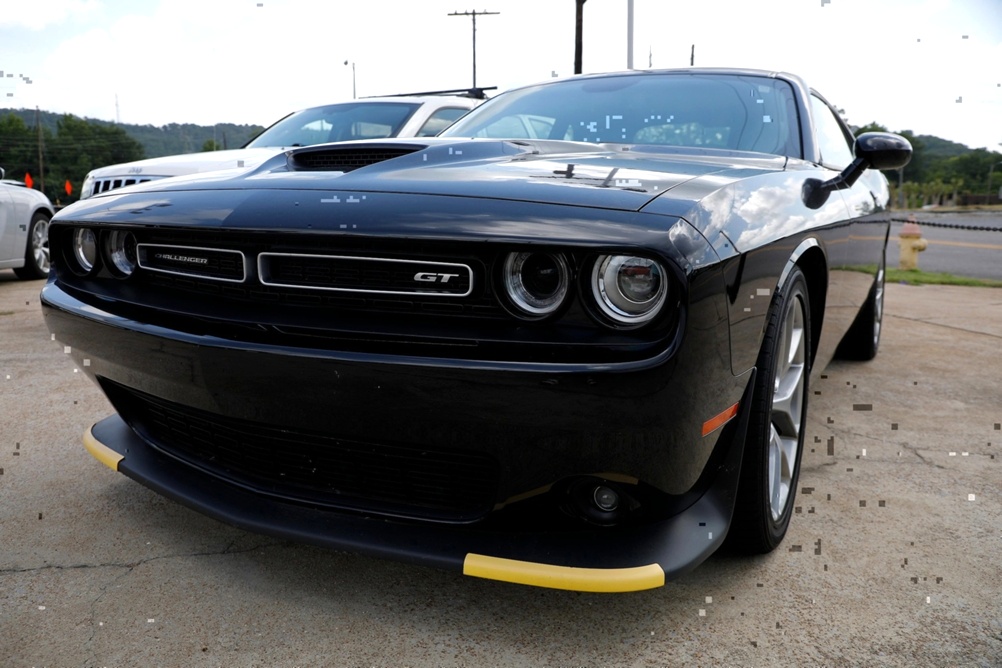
x: 541, y: 424
x: 597, y: 560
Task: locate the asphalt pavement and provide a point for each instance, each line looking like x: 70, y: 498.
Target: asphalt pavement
x: 892, y: 559
x: 965, y: 243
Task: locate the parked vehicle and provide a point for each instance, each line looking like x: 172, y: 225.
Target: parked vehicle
x: 577, y: 357
x: 24, y: 229
x: 369, y: 118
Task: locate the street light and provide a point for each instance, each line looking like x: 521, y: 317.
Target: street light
x: 352, y: 79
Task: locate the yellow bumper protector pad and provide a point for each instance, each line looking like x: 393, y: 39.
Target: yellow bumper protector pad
x: 100, y: 451
x: 564, y: 577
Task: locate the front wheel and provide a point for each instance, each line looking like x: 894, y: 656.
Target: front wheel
x: 36, y: 252
x: 775, y: 440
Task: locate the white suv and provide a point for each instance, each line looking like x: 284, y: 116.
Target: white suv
x: 369, y: 118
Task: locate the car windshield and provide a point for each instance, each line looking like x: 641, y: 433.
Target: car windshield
x: 747, y: 113
x: 337, y: 122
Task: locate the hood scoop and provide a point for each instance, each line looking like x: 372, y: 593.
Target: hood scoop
x: 346, y: 158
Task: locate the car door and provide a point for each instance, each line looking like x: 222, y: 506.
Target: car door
x: 8, y: 229
x: 849, y: 285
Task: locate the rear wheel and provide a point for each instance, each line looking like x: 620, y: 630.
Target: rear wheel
x: 863, y: 338
x: 775, y: 442
x: 36, y: 252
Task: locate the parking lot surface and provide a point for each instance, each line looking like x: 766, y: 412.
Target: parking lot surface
x: 892, y: 559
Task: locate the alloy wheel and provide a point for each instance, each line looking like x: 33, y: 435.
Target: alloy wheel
x: 787, y: 407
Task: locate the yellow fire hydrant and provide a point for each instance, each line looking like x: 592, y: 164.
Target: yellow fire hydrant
x: 911, y: 243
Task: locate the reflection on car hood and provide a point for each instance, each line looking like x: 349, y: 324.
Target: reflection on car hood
x: 554, y: 172
x: 174, y: 165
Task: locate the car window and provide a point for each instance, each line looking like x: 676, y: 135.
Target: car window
x: 748, y: 113
x: 440, y: 120
x: 337, y: 122
x: 835, y: 147
x: 506, y: 127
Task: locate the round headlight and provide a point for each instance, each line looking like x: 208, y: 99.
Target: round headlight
x: 536, y: 283
x: 85, y: 248
x: 120, y: 251
x: 629, y: 289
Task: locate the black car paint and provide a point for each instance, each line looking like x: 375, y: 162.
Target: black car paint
x: 632, y: 406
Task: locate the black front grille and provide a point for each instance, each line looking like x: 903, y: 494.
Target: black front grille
x: 209, y: 263
x: 345, y: 159
x: 366, y: 274
x: 391, y: 479
x: 299, y: 276
x: 250, y: 298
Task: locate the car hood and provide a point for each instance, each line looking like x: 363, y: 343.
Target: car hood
x: 19, y: 192
x: 190, y: 163
x: 619, y: 177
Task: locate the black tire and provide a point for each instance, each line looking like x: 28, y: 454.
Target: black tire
x: 36, y: 251
x: 863, y: 338
x: 775, y: 440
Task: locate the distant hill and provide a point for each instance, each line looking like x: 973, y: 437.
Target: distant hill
x: 171, y: 139
x: 937, y: 147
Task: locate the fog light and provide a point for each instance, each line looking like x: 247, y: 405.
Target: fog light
x: 606, y: 498
x: 120, y: 250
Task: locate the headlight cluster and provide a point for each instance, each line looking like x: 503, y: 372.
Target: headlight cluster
x: 629, y: 289
x: 536, y: 283
x: 85, y: 248
x: 87, y: 189
x: 623, y: 290
x: 114, y: 249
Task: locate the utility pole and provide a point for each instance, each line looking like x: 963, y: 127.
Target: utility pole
x: 474, y: 14
x: 629, y: 34
x: 692, y: 56
x: 578, y: 34
x: 41, y: 166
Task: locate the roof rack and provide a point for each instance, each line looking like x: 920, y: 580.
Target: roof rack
x: 475, y: 93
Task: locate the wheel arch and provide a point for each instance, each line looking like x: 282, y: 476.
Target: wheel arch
x: 811, y: 259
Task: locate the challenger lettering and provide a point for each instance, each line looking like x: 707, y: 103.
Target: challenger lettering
x: 170, y: 257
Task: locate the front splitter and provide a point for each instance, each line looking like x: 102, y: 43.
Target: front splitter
x: 590, y: 560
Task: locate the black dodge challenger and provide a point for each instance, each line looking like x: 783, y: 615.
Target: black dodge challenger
x: 567, y: 343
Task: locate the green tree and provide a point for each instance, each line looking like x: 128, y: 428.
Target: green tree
x: 211, y: 145
x: 80, y: 146
x: 18, y: 147
x: 974, y: 168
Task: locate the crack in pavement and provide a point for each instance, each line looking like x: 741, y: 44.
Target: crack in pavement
x: 904, y: 445
x: 939, y: 324
x: 92, y: 659
x: 131, y: 565
x: 128, y: 567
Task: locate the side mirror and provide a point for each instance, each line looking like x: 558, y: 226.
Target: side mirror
x: 883, y: 150
x: 874, y: 150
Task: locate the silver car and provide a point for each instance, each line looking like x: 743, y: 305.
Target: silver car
x: 24, y: 229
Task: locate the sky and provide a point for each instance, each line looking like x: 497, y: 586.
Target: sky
x: 929, y: 66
